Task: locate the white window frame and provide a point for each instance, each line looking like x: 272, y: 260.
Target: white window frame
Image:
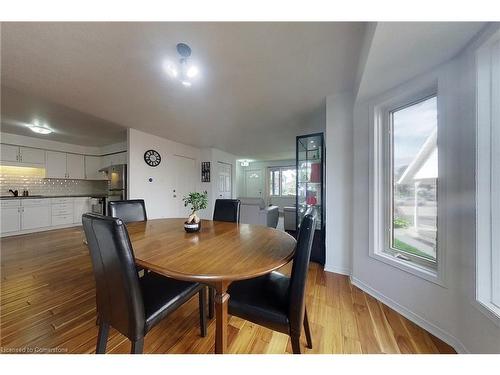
x: 488, y: 178
x: 280, y: 169
x: 380, y: 184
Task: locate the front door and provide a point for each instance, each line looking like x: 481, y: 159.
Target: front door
x: 253, y: 183
x: 225, y: 181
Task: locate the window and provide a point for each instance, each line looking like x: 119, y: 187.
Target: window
x: 413, y: 174
x: 488, y: 178
x: 282, y: 181
x: 404, y: 182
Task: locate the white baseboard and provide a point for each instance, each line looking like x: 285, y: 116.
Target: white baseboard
x: 415, y: 318
x: 336, y: 269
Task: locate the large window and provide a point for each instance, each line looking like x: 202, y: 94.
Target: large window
x: 488, y: 178
x: 413, y: 174
x: 282, y: 181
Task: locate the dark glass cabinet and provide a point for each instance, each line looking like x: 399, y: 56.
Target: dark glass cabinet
x: 310, y: 158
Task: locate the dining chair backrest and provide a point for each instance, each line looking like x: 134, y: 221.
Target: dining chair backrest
x: 128, y: 210
x: 119, y: 297
x: 300, y: 268
x: 227, y: 210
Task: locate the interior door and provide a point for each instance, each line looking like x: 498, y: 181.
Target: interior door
x: 185, y: 174
x: 224, y: 180
x: 253, y: 183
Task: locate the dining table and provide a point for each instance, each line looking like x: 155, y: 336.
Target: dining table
x: 217, y: 255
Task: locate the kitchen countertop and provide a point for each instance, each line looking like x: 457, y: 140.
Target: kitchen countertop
x: 54, y: 196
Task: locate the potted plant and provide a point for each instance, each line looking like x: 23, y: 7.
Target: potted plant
x: 198, y: 201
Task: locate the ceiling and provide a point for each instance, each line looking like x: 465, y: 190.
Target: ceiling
x: 261, y: 84
x: 400, y: 51
x: 71, y: 126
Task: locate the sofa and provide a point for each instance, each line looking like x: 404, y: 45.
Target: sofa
x: 255, y: 211
x: 289, y: 218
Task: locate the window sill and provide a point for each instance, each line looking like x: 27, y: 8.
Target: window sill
x: 425, y: 273
x: 491, y: 311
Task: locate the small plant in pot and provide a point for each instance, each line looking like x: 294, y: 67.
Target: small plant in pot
x: 198, y: 201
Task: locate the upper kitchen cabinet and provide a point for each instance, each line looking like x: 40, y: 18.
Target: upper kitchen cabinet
x: 92, y: 166
x: 22, y: 155
x: 55, y: 166
x: 75, y: 166
x: 63, y: 165
x: 114, y: 159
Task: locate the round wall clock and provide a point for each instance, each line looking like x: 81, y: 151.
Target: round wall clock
x: 152, y: 158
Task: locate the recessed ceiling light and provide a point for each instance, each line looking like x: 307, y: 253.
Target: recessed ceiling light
x: 186, y: 83
x: 40, y: 129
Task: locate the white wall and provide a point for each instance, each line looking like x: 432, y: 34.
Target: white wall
x: 158, y: 194
x: 338, y: 205
x: 447, y: 311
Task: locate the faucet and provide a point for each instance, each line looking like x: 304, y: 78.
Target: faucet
x: 15, y: 193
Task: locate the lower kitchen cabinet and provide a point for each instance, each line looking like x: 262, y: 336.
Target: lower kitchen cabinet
x: 81, y: 206
x: 11, y: 216
x: 35, y: 213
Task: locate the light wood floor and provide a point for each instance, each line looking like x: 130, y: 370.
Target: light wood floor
x: 48, y: 303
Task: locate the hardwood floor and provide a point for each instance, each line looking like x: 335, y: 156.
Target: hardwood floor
x: 48, y: 305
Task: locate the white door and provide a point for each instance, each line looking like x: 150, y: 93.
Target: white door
x: 224, y: 180
x: 253, y: 183
x: 55, y: 165
x: 9, y: 153
x: 185, y: 174
x: 11, y: 219
x: 36, y: 216
x: 75, y: 166
x: 32, y: 155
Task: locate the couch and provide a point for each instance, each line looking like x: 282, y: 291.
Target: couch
x: 254, y: 211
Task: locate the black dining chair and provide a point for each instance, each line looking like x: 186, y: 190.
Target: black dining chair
x: 130, y: 304
x: 277, y: 301
x: 227, y: 210
x: 128, y: 210
x: 224, y: 210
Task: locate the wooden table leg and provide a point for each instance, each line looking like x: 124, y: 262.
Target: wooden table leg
x: 221, y: 302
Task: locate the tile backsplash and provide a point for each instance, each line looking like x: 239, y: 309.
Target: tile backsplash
x: 32, y: 179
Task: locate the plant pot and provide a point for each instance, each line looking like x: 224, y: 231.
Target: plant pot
x: 192, y: 227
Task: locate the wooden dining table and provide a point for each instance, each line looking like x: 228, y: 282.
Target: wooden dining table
x: 220, y: 253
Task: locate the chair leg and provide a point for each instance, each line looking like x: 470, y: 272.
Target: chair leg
x: 137, y: 346
x: 211, y: 302
x: 202, y: 306
x: 102, y: 338
x: 295, y: 344
x: 307, y: 330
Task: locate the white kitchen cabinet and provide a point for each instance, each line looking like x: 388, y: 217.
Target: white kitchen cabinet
x: 55, y: 166
x: 31, y: 155
x: 63, y: 165
x: 75, y: 166
x: 62, y: 211
x: 114, y: 159
x: 10, y: 215
x: 22, y: 155
x: 35, y: 213
x: 92, y: 166
x: 81, y: 206
x: 9, y: 153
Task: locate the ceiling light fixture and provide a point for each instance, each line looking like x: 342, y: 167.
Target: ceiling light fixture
x: 244, y: 163
x: 40, y: 129
x: 185, y: 71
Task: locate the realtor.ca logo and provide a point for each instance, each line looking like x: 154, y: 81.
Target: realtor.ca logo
x: 31, y: 350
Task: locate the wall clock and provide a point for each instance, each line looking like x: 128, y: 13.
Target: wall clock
x: 152, y: 158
